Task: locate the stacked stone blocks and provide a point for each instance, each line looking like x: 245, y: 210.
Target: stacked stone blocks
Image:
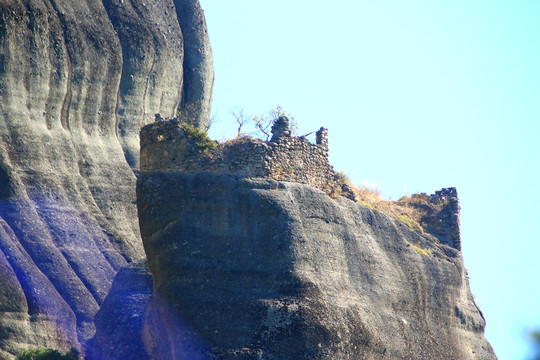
x: 445, y: 224
x: 166, y: 146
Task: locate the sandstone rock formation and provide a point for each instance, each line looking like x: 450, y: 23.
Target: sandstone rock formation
x: 260, y: 269
x: 242, y: 268
x: 77, y: 80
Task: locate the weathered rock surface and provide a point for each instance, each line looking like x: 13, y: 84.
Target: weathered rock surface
x: 260, y: 269
x: 119, y: 321
x: 77, y: 80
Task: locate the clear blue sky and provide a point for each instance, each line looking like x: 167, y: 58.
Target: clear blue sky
x: 417, y: 95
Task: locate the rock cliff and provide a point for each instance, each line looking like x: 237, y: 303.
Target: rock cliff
x: 77, y: 80
x: 263, y: 269
x: 241, y: 267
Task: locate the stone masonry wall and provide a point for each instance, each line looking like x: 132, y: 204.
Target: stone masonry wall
x: 167, y: 146
x: 445, y: 224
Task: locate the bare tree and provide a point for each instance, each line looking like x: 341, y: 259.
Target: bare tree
x: 241, y: 119
x: 263, y: 123
x: 213, y: 120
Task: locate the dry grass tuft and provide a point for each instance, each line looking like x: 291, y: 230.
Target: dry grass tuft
x: 420, y: 250
x: 372, y: 199
x: 406, y: 214
x: 409, y: 210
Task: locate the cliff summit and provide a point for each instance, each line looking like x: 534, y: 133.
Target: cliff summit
x: 255, y: 255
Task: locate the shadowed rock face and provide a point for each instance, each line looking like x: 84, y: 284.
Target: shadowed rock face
x: 119, y: 322
x: 77, y: 80
x: 259, y: 269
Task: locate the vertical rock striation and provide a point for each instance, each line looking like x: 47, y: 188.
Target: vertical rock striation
x: 198, y: 65
x: 77, y: 80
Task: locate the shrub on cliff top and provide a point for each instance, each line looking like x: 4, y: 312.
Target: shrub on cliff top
x: 41, y: 353
x: 200, y: 137
x: 342, y: 178
x: 263, y: 122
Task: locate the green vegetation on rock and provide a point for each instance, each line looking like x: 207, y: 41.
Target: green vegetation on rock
x: 41, y: 353
x: 200, y: 137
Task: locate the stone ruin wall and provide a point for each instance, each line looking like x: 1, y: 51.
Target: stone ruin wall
x: 445, y: 224
x: 166, y: 146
